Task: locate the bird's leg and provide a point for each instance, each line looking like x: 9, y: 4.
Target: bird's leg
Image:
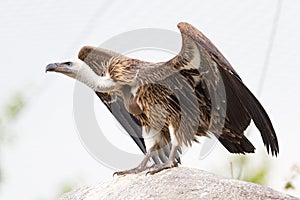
x: 150, y: 136
x: 140, y: 168
x: 171, y: 162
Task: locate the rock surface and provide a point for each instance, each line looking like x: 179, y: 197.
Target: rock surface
x: 176, y: 183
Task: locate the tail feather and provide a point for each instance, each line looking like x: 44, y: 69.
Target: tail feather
x: 242, y: 145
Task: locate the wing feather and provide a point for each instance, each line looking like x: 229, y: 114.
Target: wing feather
x: 198, y: 52
x: 97, y: 59
x: 128, y: 121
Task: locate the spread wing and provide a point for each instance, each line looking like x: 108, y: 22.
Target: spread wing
x: 97, y: 59
x: 116, y: 106
x: 198, y: 53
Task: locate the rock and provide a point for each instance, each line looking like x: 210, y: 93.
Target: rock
x: 176, y: 183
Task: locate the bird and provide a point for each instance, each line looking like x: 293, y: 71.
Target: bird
x: 165, y: 106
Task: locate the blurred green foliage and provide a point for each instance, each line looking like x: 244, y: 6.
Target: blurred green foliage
x: 289, y: 185
x: 14, y: 106
x: 10, y: 112
x: 256, y: 171
x: 259, y: 176
x: 66, y: 187
x: 293, y: 178
x: 247, y: 172
x: 242, y: 166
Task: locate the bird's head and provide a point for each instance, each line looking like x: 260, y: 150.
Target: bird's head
x: 72, y: 67
x: 79, y: 70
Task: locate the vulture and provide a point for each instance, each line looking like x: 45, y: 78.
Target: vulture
x: 166, y: 105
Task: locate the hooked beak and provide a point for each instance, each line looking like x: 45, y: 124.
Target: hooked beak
x: 57, y: 67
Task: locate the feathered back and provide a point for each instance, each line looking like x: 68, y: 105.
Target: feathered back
x: 97, y: 58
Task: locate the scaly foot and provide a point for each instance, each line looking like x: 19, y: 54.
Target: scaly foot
x: 132, y: 171
x: 159, y: 167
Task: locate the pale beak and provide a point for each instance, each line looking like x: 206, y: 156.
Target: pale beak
x: 57, y: 67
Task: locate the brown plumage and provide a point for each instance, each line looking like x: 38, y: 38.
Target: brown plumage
x: 212, y: 76
x: 197, y: 93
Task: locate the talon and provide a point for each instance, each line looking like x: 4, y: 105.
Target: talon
x: 123, y: 173
x: 120, y: 173
x: 149, y: 173
x: 161, y: 167
x: 132, y: 171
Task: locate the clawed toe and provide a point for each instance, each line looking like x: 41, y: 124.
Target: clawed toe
x: 131, y: 171
x: 160, y: 167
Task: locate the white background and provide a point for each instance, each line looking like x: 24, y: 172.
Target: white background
x: 47, y: 151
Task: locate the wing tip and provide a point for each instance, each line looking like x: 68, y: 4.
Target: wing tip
x: 182, y: 24
x: 259, y: 116
x: 268, y: 135
x: 185, y: 27
x: 273, y: 147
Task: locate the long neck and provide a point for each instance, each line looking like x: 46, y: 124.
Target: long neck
x: 98, y: 83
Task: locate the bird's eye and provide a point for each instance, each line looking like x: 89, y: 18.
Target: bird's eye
x: 69, y: 64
